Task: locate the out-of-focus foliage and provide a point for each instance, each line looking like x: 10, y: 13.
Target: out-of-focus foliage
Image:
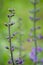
x: 22, y: 8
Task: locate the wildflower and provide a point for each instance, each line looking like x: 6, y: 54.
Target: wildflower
x: 35, y: 59
x: 12, y: 48
x: 19, y: 61
x: 39, y: 49
x: 32, y: 55
x: 40, y: 37
x: 29, y: 40
x: 10, y: 62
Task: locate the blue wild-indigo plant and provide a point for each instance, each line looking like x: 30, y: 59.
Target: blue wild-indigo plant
x: 33, y: 54
x: 20, y: 59
x: 9, y: 24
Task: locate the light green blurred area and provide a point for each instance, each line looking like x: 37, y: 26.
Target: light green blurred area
x: 22, y: 8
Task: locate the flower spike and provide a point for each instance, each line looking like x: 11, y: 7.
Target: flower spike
x: 10, y: 37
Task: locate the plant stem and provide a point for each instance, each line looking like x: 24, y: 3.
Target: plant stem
x: 10, y: 42
x: 35, y: 41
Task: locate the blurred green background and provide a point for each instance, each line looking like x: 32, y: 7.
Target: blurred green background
x: 22, y: 8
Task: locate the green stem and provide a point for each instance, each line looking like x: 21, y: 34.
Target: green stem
x: 10, y: 42
x: 35, y: 41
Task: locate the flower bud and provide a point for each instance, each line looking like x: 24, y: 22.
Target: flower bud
x: 12, y: 48
x: 29, y: 40
x: 34, y: 19
x: 15, y: 33
x: 10, y: 15
x: 7, y: 47
x: 19, y: 61
x: 11, y: 23
x: 11, y: 10
x: 40, y: 37
x: 10, y: 62
x: 35, y: 10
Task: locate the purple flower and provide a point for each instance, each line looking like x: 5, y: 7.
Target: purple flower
x: 42, y: 60
x: 32, y: 55
x: 39, y: 49
x: 19, y: 61
x: 35, y: 59
x: 12, y: 48
x: 40, y: 37
x: 29, y: 40
x: 10, y: 62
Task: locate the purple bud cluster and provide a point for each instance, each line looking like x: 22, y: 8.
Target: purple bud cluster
x: 19, y: 61
x: 10, y: 62
x: 32, y: 54
x: 40, y: 36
